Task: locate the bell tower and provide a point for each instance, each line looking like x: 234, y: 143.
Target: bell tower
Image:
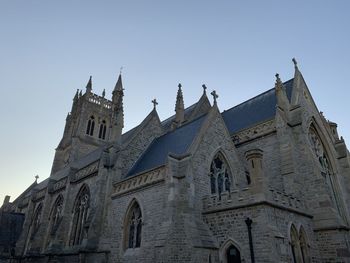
x: 93, y: 121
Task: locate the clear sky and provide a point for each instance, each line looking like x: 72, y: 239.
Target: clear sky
x: 48, y: 49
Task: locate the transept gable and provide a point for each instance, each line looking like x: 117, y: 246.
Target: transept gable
x: 176, y: 142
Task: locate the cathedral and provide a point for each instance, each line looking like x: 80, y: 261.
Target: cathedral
x: 267, y: 180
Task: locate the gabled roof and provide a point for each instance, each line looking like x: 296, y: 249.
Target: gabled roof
x: 176, y: 142
x: 247, y: 114
x: 255, y: 110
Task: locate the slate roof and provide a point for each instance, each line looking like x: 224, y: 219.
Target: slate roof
x: 176, y: 142
x: 188, y: 111
x: 255, y: 110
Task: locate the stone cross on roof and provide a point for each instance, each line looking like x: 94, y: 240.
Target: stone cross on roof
x: 215, y: 95
x: 204, y: 88
x: 155, y: 103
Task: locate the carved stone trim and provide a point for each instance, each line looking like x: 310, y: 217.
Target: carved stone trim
x: 245, y: 198
x: 254, y: 132
x: 90, y: 170
x: 139, y: 181
x: 58, y: 185
x: 39, y: 195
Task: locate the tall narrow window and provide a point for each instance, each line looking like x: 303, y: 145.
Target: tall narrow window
x: 294, y: 244
x: 326, y: 170
x: 81, y: 210
x: 133, y: 227
x: 102, y: 131
x: 303, y: 246
x: 90, y: 126
x: 56, y: 215
x: 36, y: 221
x: 34, y: 227
x: 220, y: 177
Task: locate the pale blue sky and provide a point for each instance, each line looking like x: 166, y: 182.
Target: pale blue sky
x: 48, y: 49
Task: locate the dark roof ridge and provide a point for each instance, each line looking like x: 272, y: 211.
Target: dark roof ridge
x: 263, y: 93
x: 185, y: 124
x: 172, y: 116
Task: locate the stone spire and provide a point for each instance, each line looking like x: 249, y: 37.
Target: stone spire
x: 281, y: 95
x: 179, y: 107
x: 89, y: 85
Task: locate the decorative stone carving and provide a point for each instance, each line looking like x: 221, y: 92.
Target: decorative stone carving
x: 139, y: 181
x: 91, y: 169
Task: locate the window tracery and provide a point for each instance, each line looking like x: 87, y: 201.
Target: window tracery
x: 81, y: 211
x: 220, y: 178
x: 134, y: 227
x: 56, y: 215
x: 325, y: 167
x: 36, y: 221
x: 299, y: 246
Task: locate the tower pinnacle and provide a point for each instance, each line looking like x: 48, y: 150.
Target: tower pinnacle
x: 179, y: 106
x: 89, y: 85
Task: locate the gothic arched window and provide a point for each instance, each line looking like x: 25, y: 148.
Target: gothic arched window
x: 133, y: 226
x: 294, y: 245
x: 90, y: 126
x: 326, y: 168
x: 56, y: 215
x: 303, y: 246
x: 36, y: 221
x: 81, y: 210
x: 220, y: 177
x: 102, y: 131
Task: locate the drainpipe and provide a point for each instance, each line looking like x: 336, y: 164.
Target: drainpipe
x: 249, y: 222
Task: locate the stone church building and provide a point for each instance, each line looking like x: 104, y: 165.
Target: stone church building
x: 267, y: 180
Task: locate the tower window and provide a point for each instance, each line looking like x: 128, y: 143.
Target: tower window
x: 90, y: 126
x: 102, y: 131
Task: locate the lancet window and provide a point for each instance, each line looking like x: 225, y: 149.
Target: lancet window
x: 80, y: 225
x: 56, y: 215
x: 299, y: 246
x: 325, y: 167
x: 36, y: 221
x: 90, y: 126
x: 133, y: 227
x: 102, y: 131
x: 220, y: 177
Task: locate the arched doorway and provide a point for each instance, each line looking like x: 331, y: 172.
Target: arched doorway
x: 233, y: 255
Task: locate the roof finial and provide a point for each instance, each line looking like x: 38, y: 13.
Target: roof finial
x: 103, y: 93
x: 215, y: 95
x: 155, y: 103
x: 36, y: 178
x: 295, y: 62
x: 204, y: 89
x: 180, y: 86
x: 121, y: 69
x: 278, y: 83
